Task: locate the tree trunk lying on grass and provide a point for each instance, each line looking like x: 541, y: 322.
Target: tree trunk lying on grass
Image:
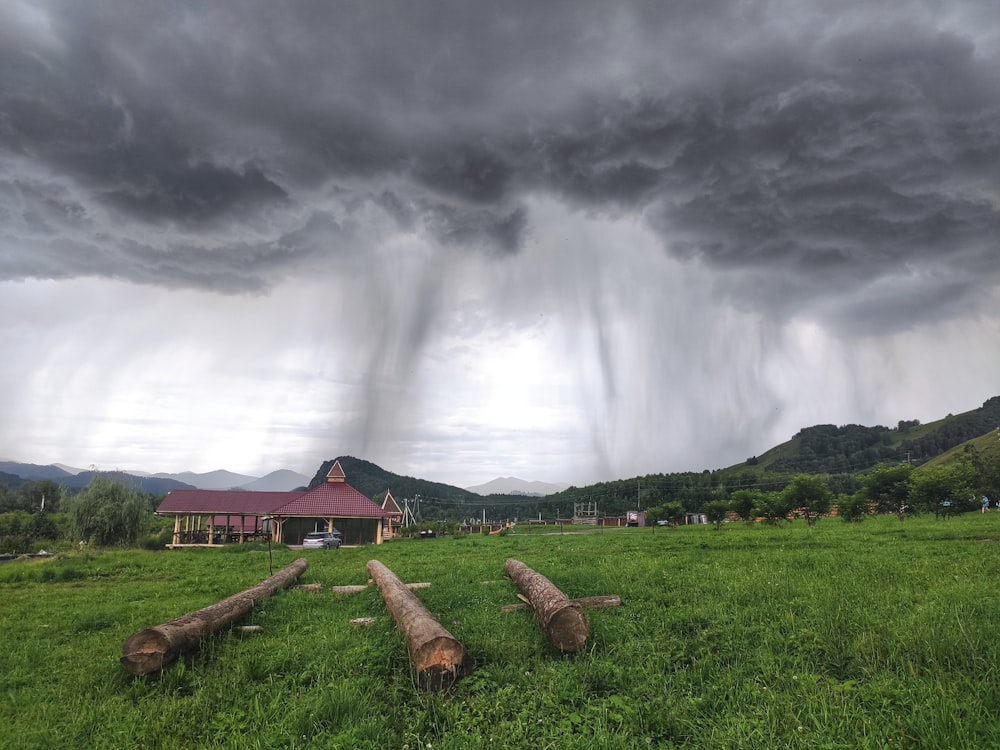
x: 156, y: 648
x: 439, y: 659
x: 561, y: 618
x: 587, y: 602
x: 355, y: 589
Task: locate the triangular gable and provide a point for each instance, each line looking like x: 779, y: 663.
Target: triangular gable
x: 390, y: 506
x: 336, y: 473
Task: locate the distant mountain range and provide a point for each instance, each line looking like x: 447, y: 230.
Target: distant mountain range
x: 159, y: 484
x: 820, y: 449
x: 515, y: 486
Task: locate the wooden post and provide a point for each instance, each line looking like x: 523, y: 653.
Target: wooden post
x: 439, y: 659
x: 562, y: 619
x: 156, y: 648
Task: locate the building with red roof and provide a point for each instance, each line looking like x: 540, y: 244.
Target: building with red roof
x: 210, y: 517
x: 394, y: 517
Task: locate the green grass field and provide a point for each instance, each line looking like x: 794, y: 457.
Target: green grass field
x: 877, y: 635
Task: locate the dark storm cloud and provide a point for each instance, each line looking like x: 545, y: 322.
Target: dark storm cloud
x: 815, y: 152
x: 123, y: 150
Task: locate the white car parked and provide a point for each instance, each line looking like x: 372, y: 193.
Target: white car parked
x: 322, y: 540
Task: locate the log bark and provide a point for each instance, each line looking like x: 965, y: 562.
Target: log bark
x: 439, y: 659
x: 561, y: 618
x: 156, y: 648
x: 587, y: 602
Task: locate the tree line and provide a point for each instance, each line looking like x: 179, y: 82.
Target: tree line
x: 895, y: 489
x: 107, y: 512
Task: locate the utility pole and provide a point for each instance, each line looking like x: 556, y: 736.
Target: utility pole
x: 408, y: 518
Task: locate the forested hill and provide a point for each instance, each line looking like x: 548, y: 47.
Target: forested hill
x: 842, y: 453
x: 853, y: 448
x: 429, y: 500
x: 372, y: 480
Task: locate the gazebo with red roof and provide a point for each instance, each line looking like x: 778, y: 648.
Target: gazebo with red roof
x: 333, y: 504
x: 220, y: 516
x: 212, y: 517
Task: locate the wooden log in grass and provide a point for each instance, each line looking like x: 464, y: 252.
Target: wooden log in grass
x: 439, y: 659
x: 587, y: 602
x: 561, y: 618
x: 156, y: 648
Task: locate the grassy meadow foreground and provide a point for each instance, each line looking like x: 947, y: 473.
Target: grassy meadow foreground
x: 883, y: 634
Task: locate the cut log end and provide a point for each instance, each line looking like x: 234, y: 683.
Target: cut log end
x: 146, y: 652
x: 568, y: 629
x: 441, y: 663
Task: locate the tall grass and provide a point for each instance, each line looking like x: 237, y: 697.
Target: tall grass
x: 879, y: 635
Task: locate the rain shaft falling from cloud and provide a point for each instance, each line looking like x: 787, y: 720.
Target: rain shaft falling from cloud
x: 695, y: 227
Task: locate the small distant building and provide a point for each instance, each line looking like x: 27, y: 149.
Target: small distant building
x: 213, y: 517
x: 393, y: 521
x: 635, y: 518
x: 585, y: 513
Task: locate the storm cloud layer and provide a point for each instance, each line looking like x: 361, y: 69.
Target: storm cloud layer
x: 631, y: 183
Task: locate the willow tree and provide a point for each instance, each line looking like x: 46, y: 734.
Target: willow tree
x: 108, y: 512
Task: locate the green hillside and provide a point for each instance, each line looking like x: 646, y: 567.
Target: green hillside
x: 985, y: 447
x: 841, y: 454
x: 850, y: 449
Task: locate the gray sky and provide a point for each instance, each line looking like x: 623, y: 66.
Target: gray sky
x: 566, y: 241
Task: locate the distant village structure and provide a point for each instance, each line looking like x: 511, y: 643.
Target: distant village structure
x: 393, y: 518
x: 216, y: 517
x: 585, y: 513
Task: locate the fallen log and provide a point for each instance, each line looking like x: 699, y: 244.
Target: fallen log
x: 156, y: 648
x: 355, y: 589
x: 587, y: 602
x: 439, y: 659
x: 562, y: 619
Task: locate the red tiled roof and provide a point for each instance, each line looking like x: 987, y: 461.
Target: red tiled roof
x: 225, y: 501
x: 331, y: 499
